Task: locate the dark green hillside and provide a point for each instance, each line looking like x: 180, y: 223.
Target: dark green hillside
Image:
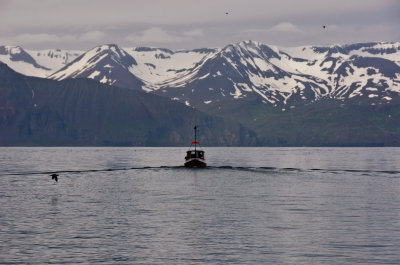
x: 82, y: 112
x: 323, y: 123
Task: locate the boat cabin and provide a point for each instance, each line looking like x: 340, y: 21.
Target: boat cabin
x: 194, y: 154
x: 195, y: 158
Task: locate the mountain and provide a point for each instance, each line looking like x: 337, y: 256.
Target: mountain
x: 107, y: 63
x: 275, y: 75
x: 326, y: 122
x: 84, y: 112
x: 336, y: 95
x: 295, y: 76
x: 36, y: 63
x: 160, y: 68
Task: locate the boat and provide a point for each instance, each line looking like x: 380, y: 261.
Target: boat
x: 195, y: 158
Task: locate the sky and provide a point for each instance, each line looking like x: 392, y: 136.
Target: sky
x: 190, y: 24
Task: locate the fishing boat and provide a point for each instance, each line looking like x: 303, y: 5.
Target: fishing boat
x: 195, y: 158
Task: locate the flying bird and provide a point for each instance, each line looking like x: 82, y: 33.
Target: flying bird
x: 54, y: 176
x: 324, y: 26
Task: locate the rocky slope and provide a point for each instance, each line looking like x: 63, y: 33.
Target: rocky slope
x: 276, y: 75
x: 83, y: 112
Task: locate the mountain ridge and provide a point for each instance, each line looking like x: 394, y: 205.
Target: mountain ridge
x: 336, y: 95
x: 83, y: 112
x: 276, y: 75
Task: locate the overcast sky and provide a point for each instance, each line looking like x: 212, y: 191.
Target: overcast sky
x: 188, y: 24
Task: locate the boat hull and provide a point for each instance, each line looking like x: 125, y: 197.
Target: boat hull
x: 195, y: 163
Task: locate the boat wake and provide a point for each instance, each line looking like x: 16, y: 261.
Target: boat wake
x: 232, y: 168
x: 291, y: 169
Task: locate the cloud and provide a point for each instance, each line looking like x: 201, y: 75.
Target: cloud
x: 285, y: 27
x: 159, y: 35
x: 194, y: 33
x: 94, y: 35
x: 153, y: 34
x: 186, y: 24
x: 58, y: 39
x: 29, y: 38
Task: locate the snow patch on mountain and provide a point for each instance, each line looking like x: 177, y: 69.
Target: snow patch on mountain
x: 157, y: 67
x: 278, y: 75
x: 54, y: 59
x: 21, y: 61
x: 106, y: 63
x: 36, y: 63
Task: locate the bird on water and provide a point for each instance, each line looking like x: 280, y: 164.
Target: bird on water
x: 54, y: 176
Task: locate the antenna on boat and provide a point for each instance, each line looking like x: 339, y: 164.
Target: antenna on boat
x: 195, y: 137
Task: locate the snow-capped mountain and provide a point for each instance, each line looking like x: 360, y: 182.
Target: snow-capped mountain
x: 162, y: 67
x: 36, y: 63
x: 290, y: 75
x: 107, y: 63
x: 275, y: 75
x: 54, y: 59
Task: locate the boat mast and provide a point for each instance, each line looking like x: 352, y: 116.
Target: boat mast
x: 195, y: 137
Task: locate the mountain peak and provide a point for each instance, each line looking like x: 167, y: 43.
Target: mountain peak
x: 11, y: 54
x: 107, y: 47
x: 106, y: 63
x: 247, y: 69
x: 110, y: 49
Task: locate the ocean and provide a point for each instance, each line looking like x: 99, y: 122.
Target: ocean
x: 250, y: 206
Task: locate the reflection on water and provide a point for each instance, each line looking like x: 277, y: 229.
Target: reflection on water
x: 54, y: 200
x: 257, y: 206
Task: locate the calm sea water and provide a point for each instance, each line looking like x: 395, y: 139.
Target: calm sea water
x: 251, y: 206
